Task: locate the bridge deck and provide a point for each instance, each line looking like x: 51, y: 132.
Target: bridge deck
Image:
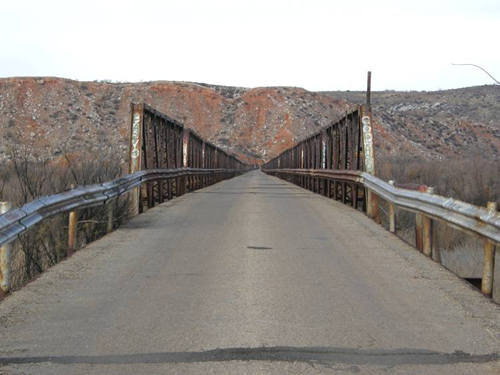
x: 252, y: 275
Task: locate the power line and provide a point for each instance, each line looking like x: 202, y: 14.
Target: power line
x: 484, y: 70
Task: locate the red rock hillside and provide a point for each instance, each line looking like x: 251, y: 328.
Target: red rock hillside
x: 49, y: 117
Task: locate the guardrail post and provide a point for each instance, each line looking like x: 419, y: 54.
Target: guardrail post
x: 419, y: 223
x: 5, y: 251
x: 392, y: 214
x: 72, y: 224
x: 372, y: 206
x: 109, y: 217
x: 488, y: 259
x: 427, y: 236
x: 427, y: 230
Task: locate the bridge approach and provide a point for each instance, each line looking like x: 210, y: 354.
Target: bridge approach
x: 250, y: 275
x: 281, y: 270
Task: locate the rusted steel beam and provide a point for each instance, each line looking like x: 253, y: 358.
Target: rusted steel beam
x: 368, y: 150
x: 135, y: 155
x: 369, y: 163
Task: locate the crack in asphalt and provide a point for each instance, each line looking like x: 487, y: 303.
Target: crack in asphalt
x: 327, y: 356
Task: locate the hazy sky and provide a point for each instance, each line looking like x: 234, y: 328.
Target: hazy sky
x: 315, y: 44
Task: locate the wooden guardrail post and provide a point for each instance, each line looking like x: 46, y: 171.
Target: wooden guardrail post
x: 392, y: 214
x: 427, y: 230
x: 372, y: 209
x: 5, y: 251
x: 72, y: 224
x: 419, y: 239
x: 109, y: 217
x: 423, y: 230
x: 392, y: 218
x: 488, y: 259
x: 427, y: 235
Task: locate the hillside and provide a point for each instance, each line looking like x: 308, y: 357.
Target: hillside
x: 434, y: 125
x: 50, y: 117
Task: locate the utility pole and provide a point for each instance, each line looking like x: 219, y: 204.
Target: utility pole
x: 368, y: 92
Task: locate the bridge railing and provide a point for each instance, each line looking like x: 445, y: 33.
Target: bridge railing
x: 17, y: 221
x: 166, y: 161
x: 479, y: 221
x: 338, y: 162
x: 158, y: 142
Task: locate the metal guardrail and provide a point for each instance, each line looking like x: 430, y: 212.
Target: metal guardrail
x: 18, y: 220
x: 479, y: 221
x: 473, y: 219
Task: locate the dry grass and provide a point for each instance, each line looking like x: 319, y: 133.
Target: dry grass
x: 23, y: 180
x: 472, y: 180
x: 475, y: 181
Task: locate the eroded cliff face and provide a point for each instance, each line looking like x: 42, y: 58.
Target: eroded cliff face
x: 50, y: 117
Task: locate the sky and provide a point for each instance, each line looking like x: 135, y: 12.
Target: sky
x: 315, y: 44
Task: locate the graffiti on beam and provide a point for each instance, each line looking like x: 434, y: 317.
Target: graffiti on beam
x: 136, y: 131
x: 368, y: 145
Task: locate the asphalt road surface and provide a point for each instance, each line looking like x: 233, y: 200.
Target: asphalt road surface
x: 249, y: 276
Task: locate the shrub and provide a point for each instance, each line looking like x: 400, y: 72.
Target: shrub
x: 473, y: 180
x: 24, y: 179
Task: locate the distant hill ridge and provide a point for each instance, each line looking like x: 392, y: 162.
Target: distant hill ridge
x: 49, y: 116
x: 436, y: 124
